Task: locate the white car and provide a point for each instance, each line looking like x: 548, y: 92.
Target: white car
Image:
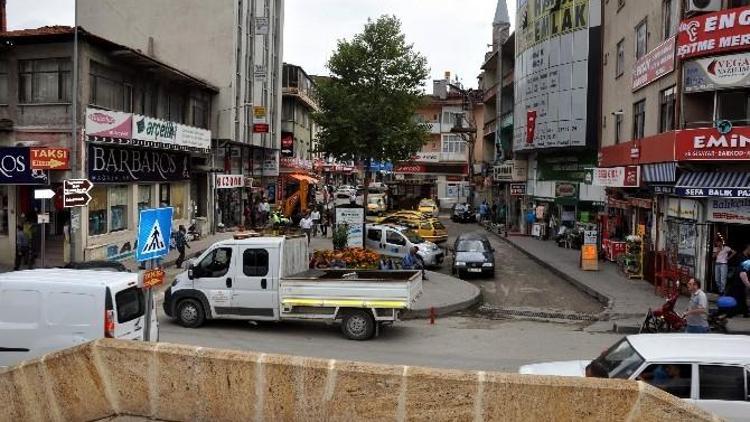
x: 711, y: 371
x: 45, y: 310
x: 396, y: 242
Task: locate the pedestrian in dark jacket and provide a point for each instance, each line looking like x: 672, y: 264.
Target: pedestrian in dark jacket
x: 22, y: 249
x: 181, y: 243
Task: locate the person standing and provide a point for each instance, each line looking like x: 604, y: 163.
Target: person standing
x: 324, y: 222
x: 741, y: 282
x: 266, y: 211
x: 180, y: 240
x: 306, y: 224
x: 412, y: 262
x: 315, y: 215
x: 722, y: 255
x: 697, y: 312
x: 22, y: 249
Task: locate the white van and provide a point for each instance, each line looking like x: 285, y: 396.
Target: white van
x: 46, y: 310
x: 396, y: 241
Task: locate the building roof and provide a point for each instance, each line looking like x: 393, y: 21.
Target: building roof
x: 60, y: 33
x: 714, y: 348
x: 501, y: 13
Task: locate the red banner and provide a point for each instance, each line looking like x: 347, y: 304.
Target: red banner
x: 655, y: 64
x: 530, y: 126
x: 714, y: 33
x: 709, y: 144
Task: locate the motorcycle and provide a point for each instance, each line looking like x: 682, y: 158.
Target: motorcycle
x: 666, y: 320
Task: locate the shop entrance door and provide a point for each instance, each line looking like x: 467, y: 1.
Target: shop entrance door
x: 28, y: 210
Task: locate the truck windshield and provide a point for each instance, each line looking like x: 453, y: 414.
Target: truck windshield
x: 620, y: 360
x: 413, y: 237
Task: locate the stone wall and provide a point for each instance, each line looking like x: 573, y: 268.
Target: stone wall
x: 162, y: 381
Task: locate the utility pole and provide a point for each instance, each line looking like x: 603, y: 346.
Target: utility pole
x: 469, y: 134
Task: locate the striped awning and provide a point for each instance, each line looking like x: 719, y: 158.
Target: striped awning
x: 705, y: 179
x: 659, y: 173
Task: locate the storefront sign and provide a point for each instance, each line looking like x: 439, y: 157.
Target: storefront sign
x: 427, y: 157
x: 655, y: 64
x: 590, y: 237
x: 259, y: 114
x: 157, y: 133
x: 261, y: 128
x: 354, y: 218
x: 589, y: 257
x: 714, y: 73
x: 518, y: 189
x: 411, y: 168
x: 153, y: 278
x: 570, y: 167
x: 682, y: 208
x: 261, y: 25
x: 566, y: 190
x: 15, y: 167
x: 108, y: 124
x: 121, y: 164
x: 616, y: 177
x: 511, y: 171
x: 229, y: 181
x: 287, y: 144
x: 713, y: 192
x: 76, y: 192
x: 735, y: 211
x: 714, y: 33
x: 295, y: 163
x: 662, y: 189
x: 709, y: 144
x: 50, y: 158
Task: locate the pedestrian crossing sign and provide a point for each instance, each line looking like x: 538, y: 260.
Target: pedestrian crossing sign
x: 154, y: 232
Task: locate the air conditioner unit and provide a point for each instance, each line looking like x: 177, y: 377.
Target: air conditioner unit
x: 703, y: 6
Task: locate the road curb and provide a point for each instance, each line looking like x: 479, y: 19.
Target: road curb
x: 449, y: 308
x: 601, y: 297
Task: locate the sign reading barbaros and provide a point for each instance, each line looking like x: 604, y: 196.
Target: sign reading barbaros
x: 108, y: 164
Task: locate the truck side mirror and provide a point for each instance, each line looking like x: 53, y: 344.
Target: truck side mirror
x: 191, y: 272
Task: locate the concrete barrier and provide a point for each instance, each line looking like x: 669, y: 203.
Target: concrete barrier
x: 118, y: 380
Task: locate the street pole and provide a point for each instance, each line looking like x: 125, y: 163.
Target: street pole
x: 77, y: 165
x: 149, y: 300
x: 44, y: 231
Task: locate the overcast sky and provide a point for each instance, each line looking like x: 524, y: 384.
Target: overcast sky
x: 452, y: 34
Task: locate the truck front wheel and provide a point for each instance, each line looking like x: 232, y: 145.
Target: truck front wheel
x: 358, y: 324
x: 190, y: 313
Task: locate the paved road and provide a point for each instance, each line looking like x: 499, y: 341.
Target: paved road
x: 519, y: 282
x: 453, y: 342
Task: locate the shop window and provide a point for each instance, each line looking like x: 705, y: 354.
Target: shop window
x: 695, y: 110
x: 199, y: 111
x: 3, y: 82
x: 177, y: 200
x: 667, y: 100
x: 733, y: 106
x: 164, y: 194
x: 98, y: 211
x: 4, y: 229
x: 118, y: 207
x: 176, y: 108
x: 620, y: 62
x: 641, y: 39
x: 144, y: 197
x: 669, y: 13
x: 44, y: 81
x: 722, y: 383
x: 639, y: 119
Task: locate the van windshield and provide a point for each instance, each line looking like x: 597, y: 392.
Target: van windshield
x: 130, y: 304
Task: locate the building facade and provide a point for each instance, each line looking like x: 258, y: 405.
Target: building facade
x: 556, y: 112
x: 143, y: 140
x: 237, y: 49
x: 681, y: 127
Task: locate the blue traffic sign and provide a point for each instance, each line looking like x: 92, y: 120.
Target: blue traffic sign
x: 154, y: 232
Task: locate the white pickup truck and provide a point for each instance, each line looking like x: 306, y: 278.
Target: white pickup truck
x: 267, y: 279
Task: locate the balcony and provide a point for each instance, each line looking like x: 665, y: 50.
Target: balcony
x: 302, y: 95
x: 489, y: 93
x: 490, y: 127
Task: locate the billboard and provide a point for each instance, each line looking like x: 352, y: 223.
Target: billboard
x: 655, y: 64
x: 714, y: 33
x: 714, y: 73
x: 554, y: 49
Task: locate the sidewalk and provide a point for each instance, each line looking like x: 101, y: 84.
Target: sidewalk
x: 627, y: 300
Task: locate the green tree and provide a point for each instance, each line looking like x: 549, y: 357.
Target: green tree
x: 368, y: 105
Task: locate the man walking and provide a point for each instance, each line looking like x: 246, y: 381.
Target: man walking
x: 306, y: 224
x: 740, y: 283
x: 315, y: 215
x: 181, y: 243
x: 697, y: 313
x: 412, y: 262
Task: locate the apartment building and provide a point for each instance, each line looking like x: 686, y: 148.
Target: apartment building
x: 675, y: 128
x: 235, y: 45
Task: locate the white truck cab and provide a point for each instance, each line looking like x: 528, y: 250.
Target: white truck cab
x: 45, y: 310
x: 260, y: 278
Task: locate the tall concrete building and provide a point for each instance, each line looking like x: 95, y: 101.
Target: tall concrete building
x: 235, y: 45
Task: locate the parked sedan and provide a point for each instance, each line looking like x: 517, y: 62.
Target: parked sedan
x: 473, y: 254
x: 462, y: 213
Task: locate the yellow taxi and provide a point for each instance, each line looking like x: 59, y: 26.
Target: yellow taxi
x: 428, y: 207
x: 430, y: 229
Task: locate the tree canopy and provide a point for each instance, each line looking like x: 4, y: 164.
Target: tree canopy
x: 369, y: 104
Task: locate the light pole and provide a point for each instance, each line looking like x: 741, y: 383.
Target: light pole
x: 469, y: 134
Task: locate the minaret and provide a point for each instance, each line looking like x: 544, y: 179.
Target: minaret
x: 501, y: 24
